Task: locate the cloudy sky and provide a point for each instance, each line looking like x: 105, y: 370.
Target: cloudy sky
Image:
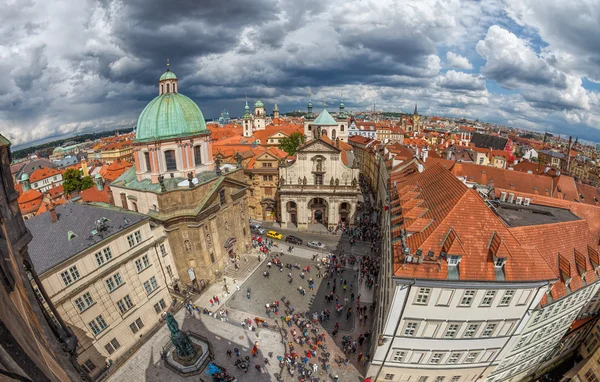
x: 76, y: 66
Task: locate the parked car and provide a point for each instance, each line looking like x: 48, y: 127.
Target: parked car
x: 256, y: 228
x: 316, y: 244
x: 274, y: 235
x: 293, y: 239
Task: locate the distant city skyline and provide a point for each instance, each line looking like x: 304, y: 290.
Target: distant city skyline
x: 515, y: 63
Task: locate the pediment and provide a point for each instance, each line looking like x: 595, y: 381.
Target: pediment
x: 318, y: 145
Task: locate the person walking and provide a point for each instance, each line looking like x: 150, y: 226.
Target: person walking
x: 236, y: 351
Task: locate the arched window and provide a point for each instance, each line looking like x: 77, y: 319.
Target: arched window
x: 341, y: 128
x: 170, y: 160
x: 333, y: 135
x: 162, y: 88
x: 147, y: 161
x: 198, y: 155
x: 168, y: 88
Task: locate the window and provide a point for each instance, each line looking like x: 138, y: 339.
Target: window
x: 454, y: 358
x: 399, y: 356
x: 489, y: 330
x: 70, y: 275
x: 134, y: 239
x: 89, y: 366
x: 163, y: 250
x: 103, y: 256
x: 410, y: 329
x: 198, y: 155
x: 125, y: 304
x: 439, y: 378
x: 222, y: 197
x: 169, y: 271
x: 142, y: 263
x: 456, y: 378
x: 451, y: 330
x: 84, y: 302
x: 508, y: 295
x: 389, y: 377
x: 467, y: 298
x: 170, y: 160
x: 150, y: 285
x: 114, y: 282
x: 488, y: 298
x: 319, y: 180
x: 268, y: 164
x: 112, y: 346
x: 590, y: 376
x: 39, y: 295
x: 422, y: 378
x: 147, y: 161
x: 136, y: 326
x: 471, y: 357
x: 436, y: 358
x: 97, y: 325
x: 423, y: 296
x: 471, y: 330
x: 160, y: 306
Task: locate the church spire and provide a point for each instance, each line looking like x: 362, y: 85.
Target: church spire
x: 309, y: 101
x: 415, y: 112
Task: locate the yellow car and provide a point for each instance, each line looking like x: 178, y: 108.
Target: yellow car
x: 274, y: 235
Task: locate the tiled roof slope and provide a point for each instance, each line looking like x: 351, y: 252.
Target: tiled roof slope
x: 453, y: 210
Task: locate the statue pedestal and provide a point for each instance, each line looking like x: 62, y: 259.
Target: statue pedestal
x: 194, y: 365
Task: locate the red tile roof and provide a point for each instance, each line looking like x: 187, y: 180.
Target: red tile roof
x: 42, y: 173
x: 114, y: 170
x: 29, y: 201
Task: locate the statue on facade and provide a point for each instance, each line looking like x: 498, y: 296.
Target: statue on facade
x: 218, y: 165
x: 299, y: 180
x: 337, y: 181
x: 354, y: 181
x: 304, y: 181
x: 331, y: 182
x: 161, y: 181
x: 190, y: 176
x: 183, y: 345
x: 281, y: 181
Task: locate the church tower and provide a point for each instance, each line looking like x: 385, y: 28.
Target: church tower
x: 342, y: 114
x: 310, y: 112
x: 247, y: 120
x: 416, y: 117
x: 275, y: 112
x: 259, y: 116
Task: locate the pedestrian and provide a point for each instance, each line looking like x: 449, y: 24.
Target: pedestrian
x: 229, y: 353
x: 236, y: 351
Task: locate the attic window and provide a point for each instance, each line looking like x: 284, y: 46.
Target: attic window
x: 454, y: 260
x: 499, y: 262
x: 71, y: 235
x: 581, y: 196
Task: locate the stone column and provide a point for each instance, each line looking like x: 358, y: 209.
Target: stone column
x: 284, y: 215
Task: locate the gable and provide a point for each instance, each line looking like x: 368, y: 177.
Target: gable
x: 317, y: 145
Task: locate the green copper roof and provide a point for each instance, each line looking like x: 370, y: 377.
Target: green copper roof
x: 25, y: 176
x: 168, y: 75
x: 259, y: 103
x: 325, y: 119
x: 170, y: 115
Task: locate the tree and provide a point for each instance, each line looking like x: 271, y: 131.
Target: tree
x: 290, y: 144
x: 73, y: 181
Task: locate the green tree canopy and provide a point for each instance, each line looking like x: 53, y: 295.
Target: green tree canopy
x: 73, y: 180
x: 290, y: 144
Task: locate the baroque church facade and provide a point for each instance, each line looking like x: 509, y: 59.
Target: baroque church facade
x: 201, y: 206
x: 318, y: 188
x: 255, y: 121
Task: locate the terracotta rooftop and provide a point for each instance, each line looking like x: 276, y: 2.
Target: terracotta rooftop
x: 42, y: 173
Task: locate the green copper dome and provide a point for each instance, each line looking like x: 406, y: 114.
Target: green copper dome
x: 168, y: 75
x: 259, y: 103
x: 170, y: 115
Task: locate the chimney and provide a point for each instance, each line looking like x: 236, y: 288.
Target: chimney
x: 53, y: 215
x: 111, y: 200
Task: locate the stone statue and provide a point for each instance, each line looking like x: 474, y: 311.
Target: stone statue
x: 304, y: 181
x: 182, y: 342
x: 190, y: 176
x: 161, y: 181
x: 331, y: 182
x: 337, y: 181
x: 354, y: 181
x: 218, y: 165
x: 281, y: 181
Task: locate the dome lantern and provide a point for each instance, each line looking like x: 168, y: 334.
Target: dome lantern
x: 167, y: 83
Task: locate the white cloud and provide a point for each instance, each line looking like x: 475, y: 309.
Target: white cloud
x: 462, y: 81
x: 457, y: 61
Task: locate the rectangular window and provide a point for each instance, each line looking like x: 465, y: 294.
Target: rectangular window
x: 160, y: 306
x: 169, y: 271
x: 436, y: 358
x: 456, y: 378
x: 423, y: 378
x: 114, y: 282
x: 125, y: 304
x: 112, y: 346
x: 70, y: 275
x: 103, y: 256
x: 97, y: 325
x: 410, y: 329
x: 198, y: 155
x: 389, y: 377
x: 423, y: 296
x: 399, y: 356
x: 131, y: 241
x: 319, y: 180
x: 471, y: 357
x: 454, y: 358
x: 147, y: 160
x: 488, y: 298
x: 84, y: 302
x: 136, y: 326
x: 170, y: 160
x: 150, y: 285
x: 467, y: 298
x: 471, y: 330
x: 222, y: 197
x: 163, y: 250
x: 508, y: 295
x: 451, y: 330
x: 489, y: 330
x: 439, y: 378
x: 89, y: 366
x: 590, y: 376
x: 142, y: 263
